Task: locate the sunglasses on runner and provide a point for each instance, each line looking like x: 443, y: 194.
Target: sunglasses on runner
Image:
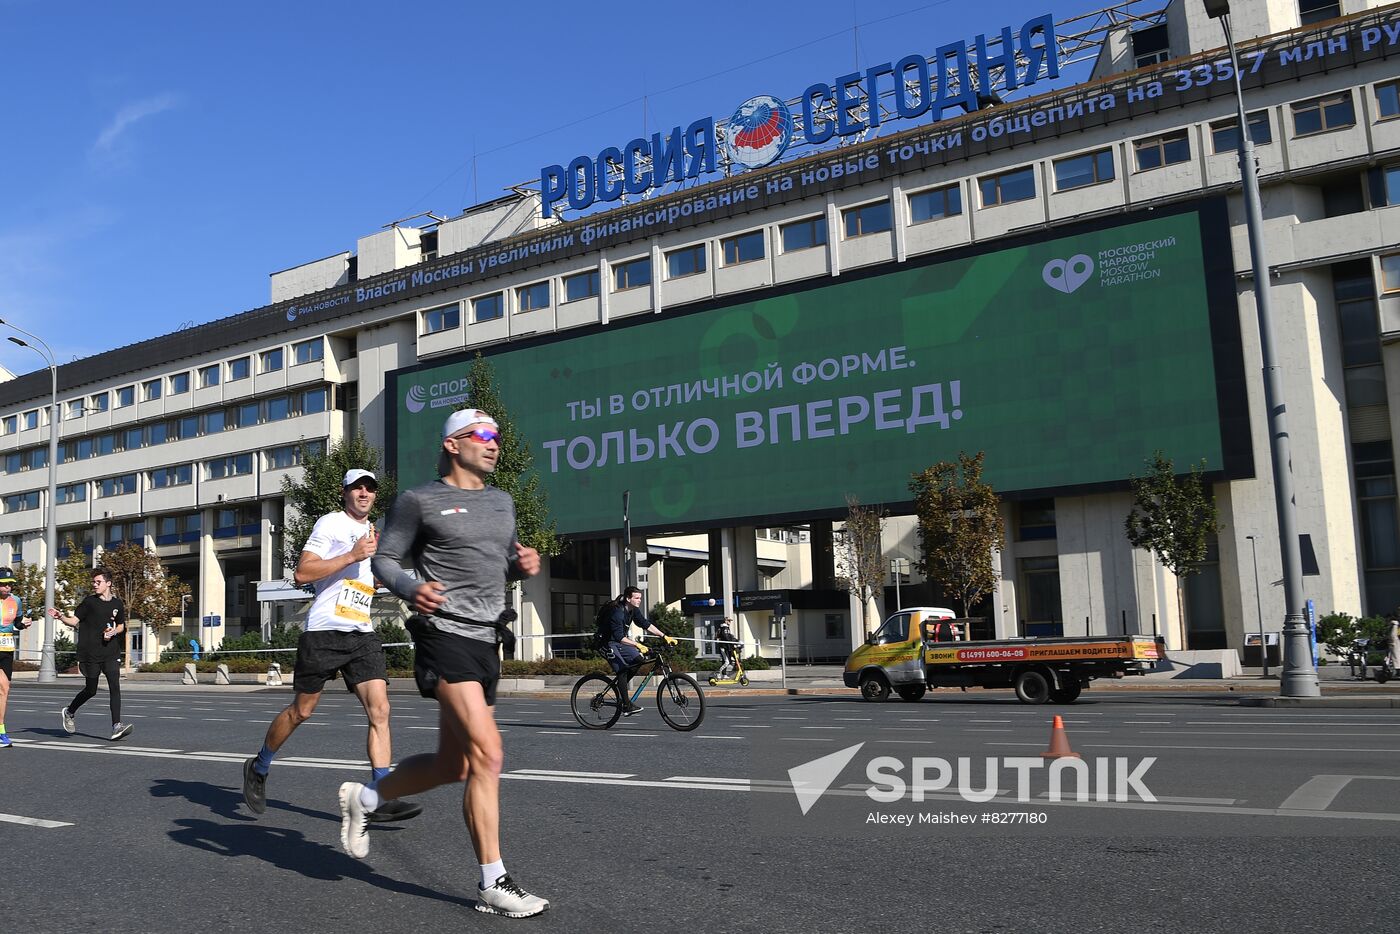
x: 482, y: 435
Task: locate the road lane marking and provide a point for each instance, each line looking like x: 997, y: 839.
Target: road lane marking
x: 354, y: 762
x: 1318, y: 792
x: 703, y: 778
x: 1250, y: 733
x: 33, y: 821
x: 821, y: 727
x: 563, y: 773
x: 557, y: 733
x: 712, y: 736
x: 1326, y: 749
x: 625, y: 734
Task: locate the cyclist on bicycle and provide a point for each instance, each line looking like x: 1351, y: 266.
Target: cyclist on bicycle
x: 622, y: 653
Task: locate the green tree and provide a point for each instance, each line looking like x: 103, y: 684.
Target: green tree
x: 515, y: 473
x: 72, y: 582
x: 319, y: 490
x: 860, y: 564
x: 152, y: 594
x: 674, y: 623
x: 1173, y: 517
x: 400, y: 656
x: 959, y: 528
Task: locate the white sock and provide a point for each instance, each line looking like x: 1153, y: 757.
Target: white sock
x: 491, y: 873
x: 369, y: 798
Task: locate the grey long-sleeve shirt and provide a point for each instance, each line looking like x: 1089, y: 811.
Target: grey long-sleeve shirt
x: 464, y: 539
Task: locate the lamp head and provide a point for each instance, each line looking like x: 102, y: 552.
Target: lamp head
x: 16, y: 340
x: 1217, y: 8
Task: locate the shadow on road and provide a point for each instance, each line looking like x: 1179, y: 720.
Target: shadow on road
x: 289, y: 850
x: 225, y: 802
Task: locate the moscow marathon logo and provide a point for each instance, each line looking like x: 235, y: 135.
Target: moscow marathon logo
x: 415, y: 399
x: 1067, y: 275
x: 759, y: 131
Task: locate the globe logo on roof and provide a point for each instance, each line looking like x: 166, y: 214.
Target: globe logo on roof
x: 760, y: 131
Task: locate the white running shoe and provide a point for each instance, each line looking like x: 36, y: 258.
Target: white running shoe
x: 508, y: 899
x: 354, y: 821
x: 69, y: 724
x: 120, y: 730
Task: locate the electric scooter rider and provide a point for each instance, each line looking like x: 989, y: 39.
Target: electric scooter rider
x: 622, y: 653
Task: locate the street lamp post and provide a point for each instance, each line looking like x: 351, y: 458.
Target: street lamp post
x: 1299, y: 677
x: 1259, y: 607
x: 47, y: 671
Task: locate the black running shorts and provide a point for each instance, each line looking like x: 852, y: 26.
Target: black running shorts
x: 7, y: 664
x: 324, y: 653
x: 444, y: 656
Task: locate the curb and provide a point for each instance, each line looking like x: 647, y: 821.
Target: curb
x: 1364, y: 701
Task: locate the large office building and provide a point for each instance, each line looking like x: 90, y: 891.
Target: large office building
x: 1060, y: 279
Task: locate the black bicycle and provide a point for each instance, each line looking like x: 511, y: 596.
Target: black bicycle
x: 679, y: 700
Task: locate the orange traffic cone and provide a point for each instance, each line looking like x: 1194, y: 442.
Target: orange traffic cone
x: 1059, y: 743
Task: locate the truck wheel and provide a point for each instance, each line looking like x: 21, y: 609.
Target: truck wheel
x: 1032, y: 687
x: 874, y: 687
x: 1067, y: 694
x: 911, y: 692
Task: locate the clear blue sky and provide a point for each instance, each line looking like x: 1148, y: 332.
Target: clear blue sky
x: 163, y: 158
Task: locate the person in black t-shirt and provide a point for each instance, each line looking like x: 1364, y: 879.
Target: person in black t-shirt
x: 101, y: 623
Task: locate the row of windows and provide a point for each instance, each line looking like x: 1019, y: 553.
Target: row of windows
x: 269, y: 361
x: 245, y: 415
x: 233, y: 465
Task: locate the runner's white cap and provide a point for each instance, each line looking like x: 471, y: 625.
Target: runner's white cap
x: 465, y: 418
x: 355, y: 476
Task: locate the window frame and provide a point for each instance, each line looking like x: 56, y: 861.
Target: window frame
x: 954, y: 189
x: 315, y: 351
x: 448, y: 317
x: 243, y: 363
x: 176, y: 379
x: 855, y: 217
x: 591, y: 282
x: 209, y: 376
x: 1095, y: 157
x: 814, y: 222
x: 267, y: 356
x: 698, y: 253
x: 524, y: 291
x: 627, y: 269
x: 1230, y: 125
x: 496, y: 299
x: 1389, y: 286
x: 125, y: 397
x: 998, y: 178
x: 739, y: 242
x: 1159, y: 144
x: 1393, y: 86
x: 1321, y: 104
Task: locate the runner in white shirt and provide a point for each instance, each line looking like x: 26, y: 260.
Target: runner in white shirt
x: 339, y: 639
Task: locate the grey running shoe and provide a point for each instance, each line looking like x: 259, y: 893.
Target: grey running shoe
x: 354, y: 823
x: 120, y: 730
x: 630, y: 709
x: 507, y: 898
x: 69, y: 725
x: 254, y: 787
x: 394, y: 810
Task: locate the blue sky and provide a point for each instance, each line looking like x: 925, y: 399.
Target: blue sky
x: 163, y: 158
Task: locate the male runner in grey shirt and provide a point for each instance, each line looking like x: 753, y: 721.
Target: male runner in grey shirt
x: 459, y: 535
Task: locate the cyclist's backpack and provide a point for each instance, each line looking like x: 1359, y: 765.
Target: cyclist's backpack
x: 602, y: 624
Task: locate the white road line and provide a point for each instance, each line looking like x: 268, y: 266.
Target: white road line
x: 916, y: 720
x: 170, y: 718
x: 905, y: 742
x: 821, y: 727
x: 806, y: 739
x: 624, y: 735
x: 33, y: 821
x: 752, y: 726
x: 729, y: 717
x: 355, y: 762
x: 854, y: 719
x: 712, y: 736
x: 557, y: 733
x: 987, y: 729
x: 1318, y: 792
x: 792, y: 718
x: 1250, y: 733
x: 702, y: 778
x: 563, y: 773
x: 216, y: 720
x: 993, y: 721
x: 1177, y: 799
x: 1323, y: 749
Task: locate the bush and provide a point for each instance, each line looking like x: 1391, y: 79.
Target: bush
x: 230, y: 648
x: 1338, y: 631
x: 400, y: 657
x: 756, y: 663
x: 510, y: 668
x: 181, y: 645
x: 673, y: 623
x: 65, y: 653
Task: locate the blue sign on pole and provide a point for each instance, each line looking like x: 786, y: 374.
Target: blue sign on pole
x: 211, y: 622
x: 1312, y: 630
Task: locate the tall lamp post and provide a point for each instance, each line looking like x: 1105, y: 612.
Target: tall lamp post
x: 47, y: 672
x: 1299, y: 677
x: 1259, y: 607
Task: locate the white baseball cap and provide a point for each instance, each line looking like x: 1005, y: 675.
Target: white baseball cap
x: 465, y: 418
x: 355, y: 476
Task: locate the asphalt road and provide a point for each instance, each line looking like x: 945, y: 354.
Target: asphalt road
x: 1264, y: 819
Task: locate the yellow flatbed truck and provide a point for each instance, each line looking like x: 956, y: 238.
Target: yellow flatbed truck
x: 920, y: 648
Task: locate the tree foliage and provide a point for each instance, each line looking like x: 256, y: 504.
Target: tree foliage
x: 151, y: 593
x: 1173, y: 517
x: 72, y: 582
x: 959, y: 528
x: 319, y: 490
x: 860, y: 564
x: 515, y: 473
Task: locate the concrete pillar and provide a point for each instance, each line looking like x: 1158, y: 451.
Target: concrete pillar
x: 823, y: 557
x: 269, y: 563
x: 534, y: 618
x: 211, y: 584
x: 745, y: 558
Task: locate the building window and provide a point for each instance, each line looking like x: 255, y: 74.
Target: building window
x: 1150, y: 46
x: 1388, y: 100
x: 744, y: 248
x: 448, y: 317
x: 159, y: 432
x: 1225, y: 134
x: 243, y: 416
x: 237, y: 465
x: 73, y: 493
x: 489, y: 307
x: 214, y: 422
x: 1007, y: 187
x: 132, y: 439
x: 687, y: 261
x: 74, y: 409
x: 121, y: 533
x: 208, y: 376
x: 117, y: 486
x: 1081, y: 171
x: 270, y: 361
x: 1390, y: 273
x: 163, y: 477
x: 172, y: 530
x: 836, y: 625
x: 150, y: 390
x: 632, y: 275
x: 126, y: 396
x: 291, y: 455
x: 1316, y: 11
x: 1040, y: 596
x: 1323, y: 114
x: 11, y: 424
x: 22, y: 502
x: 314, y: 401
x: 102, y: 445
x: 1035, y: 520
x: 240, y: 368
x: 867, y: 219
x: 278, y: 408
x: 581, y: 285
x: 804, y: 235
x: 31, y: 419
x: 937, y: 203
x: 1157, y: 151
x: 179, y: 384
x: 307, y: 351
x: 14, y: 462
x: 98, y: 403
x: 531, y: 297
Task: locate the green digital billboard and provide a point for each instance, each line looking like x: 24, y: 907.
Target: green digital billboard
x: 1068, y: 357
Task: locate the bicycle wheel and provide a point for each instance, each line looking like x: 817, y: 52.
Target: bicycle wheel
x: 680, y: 702
x: 594, y: 702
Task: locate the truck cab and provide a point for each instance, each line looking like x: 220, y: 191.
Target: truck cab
x: 892, y: 658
